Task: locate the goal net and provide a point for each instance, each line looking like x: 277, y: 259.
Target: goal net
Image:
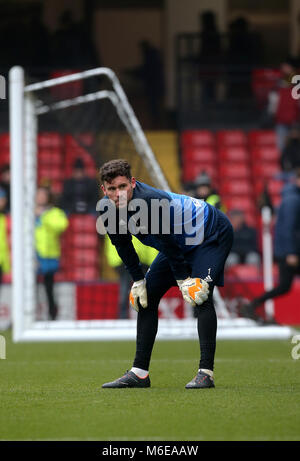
x: 61, y: 131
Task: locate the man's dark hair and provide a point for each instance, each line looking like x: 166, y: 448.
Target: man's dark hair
x: 110, y: 170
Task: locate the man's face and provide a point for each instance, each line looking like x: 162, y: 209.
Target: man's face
x: 42, y: 197
x: 119, y: 190
x: 203, y: 191
x: 237, y: 221
x: 2, y: 203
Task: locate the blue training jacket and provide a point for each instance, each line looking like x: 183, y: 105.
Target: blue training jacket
x: 188, y: 224
x: 287, y: 228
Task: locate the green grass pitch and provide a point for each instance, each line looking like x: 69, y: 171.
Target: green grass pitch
x: 53, y: 391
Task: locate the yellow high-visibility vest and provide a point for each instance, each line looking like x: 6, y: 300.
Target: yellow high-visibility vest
x: 145, y: 253
x: 4, y: 248
x: 214, y: 199
x: 49, y: 227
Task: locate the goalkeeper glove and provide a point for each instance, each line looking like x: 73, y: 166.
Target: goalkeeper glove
x: 194, y: 290
x: 138, y: 293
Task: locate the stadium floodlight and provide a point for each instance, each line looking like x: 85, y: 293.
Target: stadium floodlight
x: 101, y: 124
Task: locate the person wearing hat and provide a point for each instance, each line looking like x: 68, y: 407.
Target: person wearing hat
x: 4, y: 247
x: 80, y: 191
x: 205, y: 191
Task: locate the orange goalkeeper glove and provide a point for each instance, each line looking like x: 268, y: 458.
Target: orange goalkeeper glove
x: 194, y: 290
x: 138, y: 293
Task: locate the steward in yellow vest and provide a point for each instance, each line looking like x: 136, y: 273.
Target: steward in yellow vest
x: 145, y: 253
x: 204, y: 191
x: 50, y: 223
x: 4, y: 247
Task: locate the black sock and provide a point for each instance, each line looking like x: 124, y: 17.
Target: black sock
x: 207, y: 331
x: 147, y: 323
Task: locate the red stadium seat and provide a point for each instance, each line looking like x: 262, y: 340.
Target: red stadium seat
x: 233, y: 154
x: 266, y: 153
x: 231, y: 138
x: 240, y: 203
x: 244, y: 272
x: 78, y: 274
x: 50, y: 157
x: 265, y: 169
x: 197, y: 154
x: 197, y: 138
x: 76, y: 257
x: 262, y: 138
x: 235, y: 171
x: 81, y: 240
x: 236, y: 187
x: 273, y: 186
x: 84, y: 274
x: 82, y: 223
x: 50, y: 140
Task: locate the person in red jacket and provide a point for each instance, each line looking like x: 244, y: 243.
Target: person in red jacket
x: 282, y: 106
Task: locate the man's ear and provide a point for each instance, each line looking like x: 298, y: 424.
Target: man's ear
x: 133, y: 182
x: 103, y: 189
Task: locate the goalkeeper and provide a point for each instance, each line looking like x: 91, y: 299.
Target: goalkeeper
x: 193, y: 243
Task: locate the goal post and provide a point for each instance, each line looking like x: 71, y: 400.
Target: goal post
x: 116, y: 130
x: 24, y: 110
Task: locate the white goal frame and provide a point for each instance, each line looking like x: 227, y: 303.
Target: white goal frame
x: 24, y: 109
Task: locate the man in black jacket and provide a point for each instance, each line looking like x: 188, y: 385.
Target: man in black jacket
x: 286, y: 246
x: 244, y: 249
x: 80, y: 192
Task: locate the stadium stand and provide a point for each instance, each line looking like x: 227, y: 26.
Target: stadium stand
x: 240, y: 164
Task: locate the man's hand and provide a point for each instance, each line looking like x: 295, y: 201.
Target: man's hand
x: 138, y: 293
x: 194, y: 290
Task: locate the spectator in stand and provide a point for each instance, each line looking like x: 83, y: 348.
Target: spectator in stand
x: 72, y: 46
x: 5, y: 185
x: 203, y: 190
x: 80, y: 192
x: 282, y: 106
x: 286, y: 246
x: 152, y: 75
x: 210, y: 54
x: 290, y: 158
x: 243, y: 54
x: 244, y: 249
x: 4, y: 247
x: 51, y: 222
